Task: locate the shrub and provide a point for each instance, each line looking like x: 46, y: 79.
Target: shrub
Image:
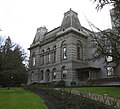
x: 61, y: 83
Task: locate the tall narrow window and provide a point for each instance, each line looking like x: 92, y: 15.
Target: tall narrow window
x: 54, y: 53
x: 47, y: 76
x: 64, y: 50
x: 42, y: 57
x: 64, y: 53
x: 108, y: 47
x: 48, y: 55
x: 54, y: 74
x: 64, y: 72
x: 79, y: 50
x: 110, y: 71
x: 33, y: 59
x: 109, y: 58
x: 32, y: 76
x: 42, y: 76
x: 39, y: 76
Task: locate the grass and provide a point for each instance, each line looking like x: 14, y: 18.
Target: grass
x: 110, y: 91
x: 18, y: 98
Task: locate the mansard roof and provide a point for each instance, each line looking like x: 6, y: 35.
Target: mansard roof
x: 71, y: 20
x: 52, y: 32
x: 70, y: 23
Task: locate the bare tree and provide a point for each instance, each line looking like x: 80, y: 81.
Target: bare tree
x: 107, y: 42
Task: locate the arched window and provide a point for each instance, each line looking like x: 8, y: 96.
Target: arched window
x: 54, y: 74
x: 42, y: 57
x: 64, y: 50
x: 47, y: 76
x: 63, y: 72
x: 33, y: 59
x: 79, y: 50
x: 48, y: 55
x: 32, y: 77
x: 42, y: 74
x: 54, y: 53
x: 38, y: 76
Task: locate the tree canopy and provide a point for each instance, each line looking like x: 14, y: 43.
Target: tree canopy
x: 12, y: 69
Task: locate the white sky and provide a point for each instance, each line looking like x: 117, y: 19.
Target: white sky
x: 19, y: 19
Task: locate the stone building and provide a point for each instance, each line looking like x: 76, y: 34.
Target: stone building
x: 62, y: 53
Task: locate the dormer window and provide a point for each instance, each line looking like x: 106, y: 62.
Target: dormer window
x: 79, y: 29
x: 63, y: 29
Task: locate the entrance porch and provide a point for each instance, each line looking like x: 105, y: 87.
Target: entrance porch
x: 85, y: 74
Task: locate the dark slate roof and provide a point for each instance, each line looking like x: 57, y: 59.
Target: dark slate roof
x: 71, y: 20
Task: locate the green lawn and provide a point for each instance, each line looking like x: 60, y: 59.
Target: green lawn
x: 110, y: 91
x: 18, y: 98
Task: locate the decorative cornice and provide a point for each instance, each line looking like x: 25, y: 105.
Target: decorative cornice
x: 71, y: 29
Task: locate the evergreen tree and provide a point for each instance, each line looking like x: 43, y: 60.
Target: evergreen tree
x: 12, y: 70
x: 20, y: 71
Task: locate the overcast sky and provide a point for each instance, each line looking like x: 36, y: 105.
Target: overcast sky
x: 19, y: 19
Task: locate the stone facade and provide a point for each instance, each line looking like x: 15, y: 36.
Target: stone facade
x: 61, y: 54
